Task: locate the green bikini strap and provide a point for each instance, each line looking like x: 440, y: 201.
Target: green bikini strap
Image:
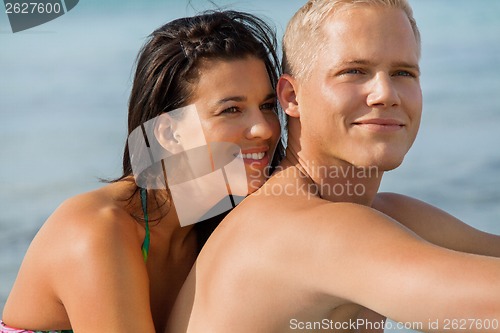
x: 145, y: 243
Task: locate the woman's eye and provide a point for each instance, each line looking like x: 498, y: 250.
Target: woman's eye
x: 268, y: 106
x: 231, y: 110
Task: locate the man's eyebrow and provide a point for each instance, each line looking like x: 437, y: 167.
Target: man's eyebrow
x: 409, y: 65
x: 365, y: 62
x: 355, y: 62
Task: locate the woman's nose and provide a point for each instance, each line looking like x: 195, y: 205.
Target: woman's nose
x: 259, y: 126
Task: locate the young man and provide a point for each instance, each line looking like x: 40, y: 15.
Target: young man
x: 317, y: 248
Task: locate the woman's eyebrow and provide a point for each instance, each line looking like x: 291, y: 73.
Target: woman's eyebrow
x: 242, y: 98
x: 231, y: 98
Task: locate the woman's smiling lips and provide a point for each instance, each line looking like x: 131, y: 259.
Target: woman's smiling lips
x: 255, y: 156
x: 380, y: 124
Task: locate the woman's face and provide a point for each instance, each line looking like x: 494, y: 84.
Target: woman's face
x: 235, y: 104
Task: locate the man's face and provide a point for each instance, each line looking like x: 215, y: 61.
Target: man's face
x: 362, y: 101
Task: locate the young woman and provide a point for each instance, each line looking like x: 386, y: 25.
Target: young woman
x: 99, y: 264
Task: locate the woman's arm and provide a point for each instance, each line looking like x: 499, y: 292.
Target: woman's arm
x: 97, y: 269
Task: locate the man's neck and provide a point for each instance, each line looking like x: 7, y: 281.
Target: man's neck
x: 337, y: 180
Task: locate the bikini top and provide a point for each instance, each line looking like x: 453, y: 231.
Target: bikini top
x: 144, y: 205
x: 7, y: 329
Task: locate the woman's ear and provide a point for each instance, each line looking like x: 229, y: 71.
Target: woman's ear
x: 166, y: 134
x: 287, y: 96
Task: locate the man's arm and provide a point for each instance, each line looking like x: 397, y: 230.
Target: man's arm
x: 364, y: 257
x: 437, y: 226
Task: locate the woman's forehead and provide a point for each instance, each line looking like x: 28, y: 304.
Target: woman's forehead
x: 221, y: 79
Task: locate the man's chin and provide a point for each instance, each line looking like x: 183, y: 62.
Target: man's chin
x: 390, y: 165
x: 382, y: 164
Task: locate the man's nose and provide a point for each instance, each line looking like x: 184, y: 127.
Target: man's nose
x: 383, y: 91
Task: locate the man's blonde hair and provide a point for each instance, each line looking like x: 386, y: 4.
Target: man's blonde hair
x: 303, y: 36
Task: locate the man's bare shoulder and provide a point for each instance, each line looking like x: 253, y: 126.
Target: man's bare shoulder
x: 392, y: 201
x: 400, y: 205
x: 275, y: 235
x: 288, y: 222
x: 436, y: 225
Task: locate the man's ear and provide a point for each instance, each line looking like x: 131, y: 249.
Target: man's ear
x: 165, y: 131
x: 287, y: 96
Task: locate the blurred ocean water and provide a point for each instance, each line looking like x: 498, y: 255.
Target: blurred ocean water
x: 63, y: 101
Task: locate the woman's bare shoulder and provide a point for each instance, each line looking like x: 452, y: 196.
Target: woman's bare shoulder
x: 88, y: 240
x: 87, y: 225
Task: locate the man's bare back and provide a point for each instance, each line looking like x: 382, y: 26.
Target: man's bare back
x: 280, y: 263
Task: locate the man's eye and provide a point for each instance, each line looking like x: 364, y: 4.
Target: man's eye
x: 352, y: 71
x: 404, y: 73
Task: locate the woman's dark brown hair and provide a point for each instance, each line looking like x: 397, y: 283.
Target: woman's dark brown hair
x: 170, y: 63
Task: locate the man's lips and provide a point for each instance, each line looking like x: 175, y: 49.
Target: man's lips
x: 380, y: 124
x: 379, y: 121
